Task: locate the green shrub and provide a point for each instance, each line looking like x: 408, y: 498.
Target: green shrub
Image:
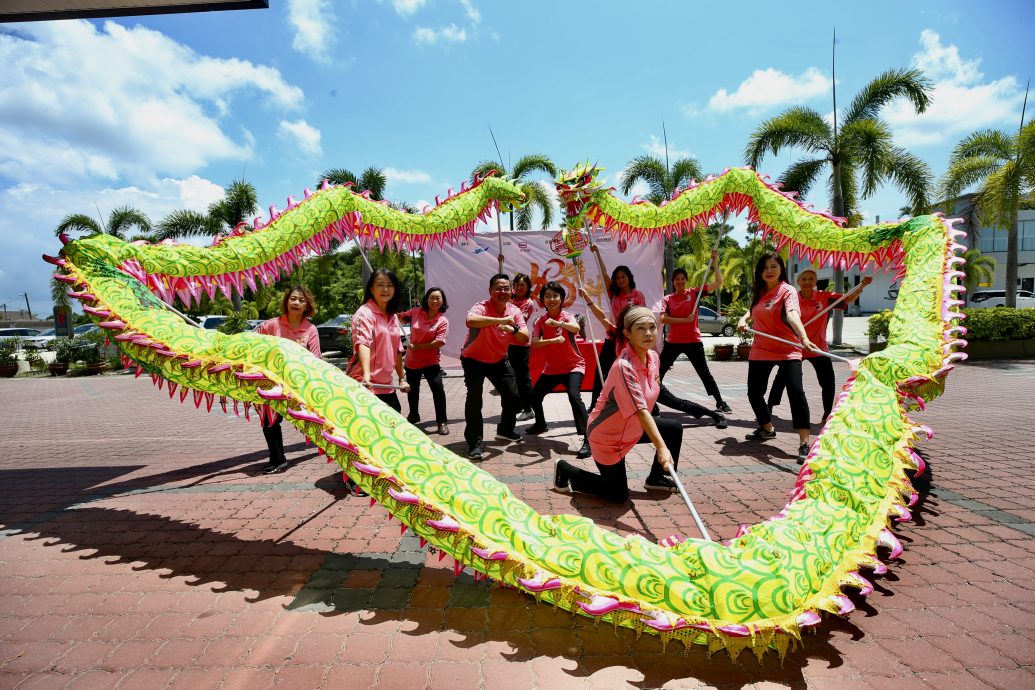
x: 8, y: 346
x: 877, y: 327
x: 235, y: 323
x: 65, y: 350
x: 999, y: 323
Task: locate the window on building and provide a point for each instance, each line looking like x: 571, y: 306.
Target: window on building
x: 1026, y: 235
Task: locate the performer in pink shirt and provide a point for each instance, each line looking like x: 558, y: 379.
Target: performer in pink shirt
x: 812, y: 303
x: 429, y: 330
x: 622, y: 418
x: 519, y: 353
x: 775, y: 311
x: 621, y: 291
x: 296, y: 308
x: 564, y: 365
x: 492, y: 326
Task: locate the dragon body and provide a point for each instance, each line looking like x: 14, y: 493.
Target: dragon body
x: 759, y: 590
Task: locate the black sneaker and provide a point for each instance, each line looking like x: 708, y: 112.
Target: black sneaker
x: 353, y: 488
x: 720, y: 421
x: 560, y: 479
x: 803, y: 452
x: 535, y: 429
x: 413, y: 419
x: 660, y: 484
x: 761, y: 434
x: 585, y: 451
x: 274, y: 469
x: 508, y: 436
x: 722, y: 407
x: 475, y: 452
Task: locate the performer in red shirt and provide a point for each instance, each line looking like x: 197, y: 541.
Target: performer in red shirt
x: 296, y: 308
x: 813, y: 302
x: 429, y: 330
x: 519, y: 353
x: 622, y: 418
x: 492, y: 326
x: 775, y: 311
x: 564, y: 365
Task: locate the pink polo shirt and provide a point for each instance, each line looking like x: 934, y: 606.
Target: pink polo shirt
x: 681, y: 305
x: 527, y: 306
x: 305, y: 335
x: 817, y: 330
x: 630, y: 386
x: 618, y: 303
x: 424, y: 330
x: 380, y: 332
x: 489, y: 344
x: 560, y: 358
x: 769, y: 316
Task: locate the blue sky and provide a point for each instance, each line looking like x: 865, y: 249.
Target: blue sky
x: 161, y: 112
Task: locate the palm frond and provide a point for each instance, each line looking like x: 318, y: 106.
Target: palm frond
x: 999, y: 199
x: 186, y: 223
x: 537, y: 196
x: 535, y: 162
x: 799, y: 127
x: 802, y: 175
x: 684, y: 170
x: 965, y: 172
x: 895, y: 83
x: 986, y: 143
x: 78, y: 222
x: 125, y: 217
x: 373, y: 180
x: 485, y: 167
x: 913, y: 177
x: 338, y: 176
x: 649, y: 169
x: 868, y: 143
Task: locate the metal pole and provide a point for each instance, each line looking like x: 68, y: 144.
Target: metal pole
x: 27, y: 307
x: 800, y: 346
x: 689, y: 504
x: 589, y: 320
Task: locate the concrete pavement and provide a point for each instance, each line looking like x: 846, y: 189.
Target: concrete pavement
x: 141, y: 547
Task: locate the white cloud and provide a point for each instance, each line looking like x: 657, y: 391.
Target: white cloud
x: 471, y: 12
x: 406, y: 176
x: 406, y: 8
x: 656, y: 147
x: 447, y: 34
x: 301, y: 134
x: 120, y: 103
x: 961, y: 102
x: 313, y: 25
x: 769, y: 88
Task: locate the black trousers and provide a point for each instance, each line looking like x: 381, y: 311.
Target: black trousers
x: 608, y: 355
x: 572, y: 383
x: 390, y: 399
x: 695, y: 353
x: 824, y: 374
x: 670, y: 399
x: 518, y: 356
x: 274, y: 440
x: 758, y: 383
x: 433, y: 375
x: 612, y: 484
x: 501, y: 376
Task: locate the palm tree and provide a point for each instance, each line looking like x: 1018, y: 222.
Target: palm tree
x: 239, y: 201
x: 1003, y: 167
x: 117, y: 225
x: 980, y: 269
x: 372, y: 179
x: 537, y: 194
x: 861, y: 156
x: 663, y: 181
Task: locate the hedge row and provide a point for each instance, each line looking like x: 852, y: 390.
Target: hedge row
x: 997, y: 323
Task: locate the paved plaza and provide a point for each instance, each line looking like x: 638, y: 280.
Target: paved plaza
x: 141, y: 547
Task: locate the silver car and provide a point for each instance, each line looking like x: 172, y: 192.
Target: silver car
x: 713, y: 324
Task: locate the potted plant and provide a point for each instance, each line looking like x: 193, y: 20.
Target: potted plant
x: 744, y: 347
x: 88, y: 352
x: 8, y: 362
x: 877, y: 329
x: 723, y: 352
x: 64, y: 353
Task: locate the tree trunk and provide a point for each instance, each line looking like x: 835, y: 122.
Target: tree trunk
x: 839, y: 277
x: 1011, y: 263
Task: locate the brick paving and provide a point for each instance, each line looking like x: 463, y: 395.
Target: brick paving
x: 141, y: 547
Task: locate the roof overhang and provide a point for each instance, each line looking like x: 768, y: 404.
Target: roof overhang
x: 48, y: 10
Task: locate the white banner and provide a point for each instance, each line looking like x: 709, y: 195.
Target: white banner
x: 463, y: 270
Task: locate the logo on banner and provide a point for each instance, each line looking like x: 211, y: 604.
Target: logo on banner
x: 479, y: 250
x: 522, y: 245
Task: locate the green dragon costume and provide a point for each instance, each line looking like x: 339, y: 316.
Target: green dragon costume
x: 759, y: 590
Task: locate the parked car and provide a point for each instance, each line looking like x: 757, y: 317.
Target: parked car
x: 86, y: 328
x: 336, y: 335
x: 43, y: 341
x: 997, y: 298
x: 254, y: 323
x: 18, y: 335
x: 713, y: 324
x: 212, y: 321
